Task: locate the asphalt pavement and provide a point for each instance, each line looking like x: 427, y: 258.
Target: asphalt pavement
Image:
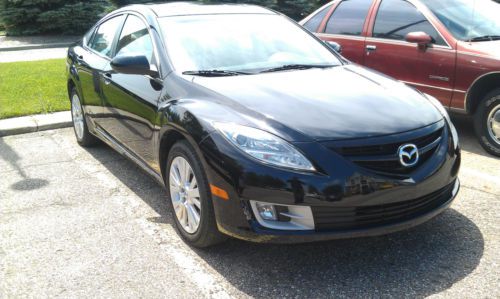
x: 88, y: 223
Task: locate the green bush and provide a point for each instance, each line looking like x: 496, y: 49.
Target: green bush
x: 25, y: 17
x: 296, y: 9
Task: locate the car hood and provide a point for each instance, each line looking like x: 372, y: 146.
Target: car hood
x: 326, y: 104
x: 486, y: 48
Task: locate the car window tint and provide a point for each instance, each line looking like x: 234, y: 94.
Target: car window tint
x: 349, y: 17
x: 103, y: 38
x: 135, y: 39
x: 313, y: 24
x: 87, y: 38
x: 396, y: 18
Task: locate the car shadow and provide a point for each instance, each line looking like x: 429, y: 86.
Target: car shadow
x: 415, y: 263
x: 27, y: 183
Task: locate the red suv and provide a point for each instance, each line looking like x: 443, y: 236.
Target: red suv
x: 449, y: 49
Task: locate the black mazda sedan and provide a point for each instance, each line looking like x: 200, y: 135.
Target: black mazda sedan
x: 257, y: 129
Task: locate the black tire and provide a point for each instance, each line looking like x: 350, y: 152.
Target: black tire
x: 207, y: 233
x: 86, y: 139
x: 481, y: 118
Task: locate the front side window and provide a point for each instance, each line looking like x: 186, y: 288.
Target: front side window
x: 103, y: 38
x: 135, y: 39
x: 396, y: 18
x: 349, y: 17
x: 477, y: 20
x: 240, y: 42
x: 313, y: 24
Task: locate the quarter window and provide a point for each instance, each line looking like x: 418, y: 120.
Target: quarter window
x: 397, y: 18
x: 103, y: 38
x: 135, y: 39
x: 313, y: 24
x: 349, y: 17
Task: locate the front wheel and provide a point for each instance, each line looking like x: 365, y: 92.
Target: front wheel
x: 190, y: 199
x: 487, y: 123
x: 83, y: 136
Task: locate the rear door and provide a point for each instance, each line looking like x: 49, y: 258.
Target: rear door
x: 430, y: 70
x: 91, y: 60
x: 130, y: 101
x: 346, y: 26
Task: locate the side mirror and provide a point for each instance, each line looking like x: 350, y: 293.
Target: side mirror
x: 132, y: 65
x: 334, y: 46
x: 422, y: 39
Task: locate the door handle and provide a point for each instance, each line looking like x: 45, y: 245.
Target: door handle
x: 107, y: 78
x: 371, y: 48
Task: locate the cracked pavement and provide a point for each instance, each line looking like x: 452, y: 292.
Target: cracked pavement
x: 88, y: 223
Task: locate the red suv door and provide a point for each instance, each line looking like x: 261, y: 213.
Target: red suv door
x: 431, y: 69
x: 346, y: 26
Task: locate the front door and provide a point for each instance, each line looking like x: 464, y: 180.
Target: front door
x: 430, y: 70
x: 130, y: 101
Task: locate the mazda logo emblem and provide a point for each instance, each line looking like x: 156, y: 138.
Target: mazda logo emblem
x: 408, y: 155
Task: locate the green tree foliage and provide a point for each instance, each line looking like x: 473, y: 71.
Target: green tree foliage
x: 25, y: 17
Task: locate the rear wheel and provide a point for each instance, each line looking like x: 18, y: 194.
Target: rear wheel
x: 190, y: 199
x: 487, y: 122
x: 83, y: 136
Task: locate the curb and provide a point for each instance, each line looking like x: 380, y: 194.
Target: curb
x: 34, y: 47
x: 35, y: 123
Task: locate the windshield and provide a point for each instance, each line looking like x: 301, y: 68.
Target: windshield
x: 240, y: 42
x: 468, y: 19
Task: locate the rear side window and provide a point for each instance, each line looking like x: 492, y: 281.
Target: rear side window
x: 313, y: 24
x: 104, y: 36
x: 396, y: 18
x: 135, y: 39
x: 349, y: 17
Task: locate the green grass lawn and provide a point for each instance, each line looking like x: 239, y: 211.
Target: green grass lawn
x: 33, y: 87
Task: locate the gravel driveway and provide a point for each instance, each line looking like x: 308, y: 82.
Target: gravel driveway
x: 88, y: 223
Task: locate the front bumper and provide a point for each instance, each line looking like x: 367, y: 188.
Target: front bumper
x: 263, y: 235
x: 351, y: 187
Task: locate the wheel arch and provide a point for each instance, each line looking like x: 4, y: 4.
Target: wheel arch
x: 70, y: 84
x: 479, y: 89
x: 179, y: 124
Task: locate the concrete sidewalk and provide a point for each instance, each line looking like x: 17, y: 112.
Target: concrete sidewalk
x: 17, y: 43
x: 35, y: 123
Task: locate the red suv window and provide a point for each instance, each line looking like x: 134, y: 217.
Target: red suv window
x: 396, y: 18
x: 349, y: 17
x: 313, y: 24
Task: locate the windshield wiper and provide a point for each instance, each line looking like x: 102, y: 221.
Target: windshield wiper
x: 485, y: 38
x: 214, y: 73
x: 297, y: 67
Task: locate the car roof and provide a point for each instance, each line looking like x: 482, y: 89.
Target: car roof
x: 193, y: 8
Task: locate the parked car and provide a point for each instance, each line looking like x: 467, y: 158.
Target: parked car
x: 449, y: 49
x: 257, y: 129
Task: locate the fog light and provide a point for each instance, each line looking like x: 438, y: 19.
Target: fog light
x: 267, y: 211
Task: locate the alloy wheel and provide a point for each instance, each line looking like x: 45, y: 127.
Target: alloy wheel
x: 494, y: 124
x: 185, y: 194
x: 77, y: 112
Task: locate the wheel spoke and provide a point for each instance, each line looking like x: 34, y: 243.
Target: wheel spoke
x: 174, y: 177
x: 193, y: 184
x: 194, y: 193
x: 196, y: 202
x: 184, y: 217
x: 194, y: 217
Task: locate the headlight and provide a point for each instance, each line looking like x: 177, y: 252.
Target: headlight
x: 439, y: 106
x: 264, y: 146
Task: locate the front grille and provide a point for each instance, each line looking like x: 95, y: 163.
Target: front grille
x: 383, y: 158
x: 341, y: 218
